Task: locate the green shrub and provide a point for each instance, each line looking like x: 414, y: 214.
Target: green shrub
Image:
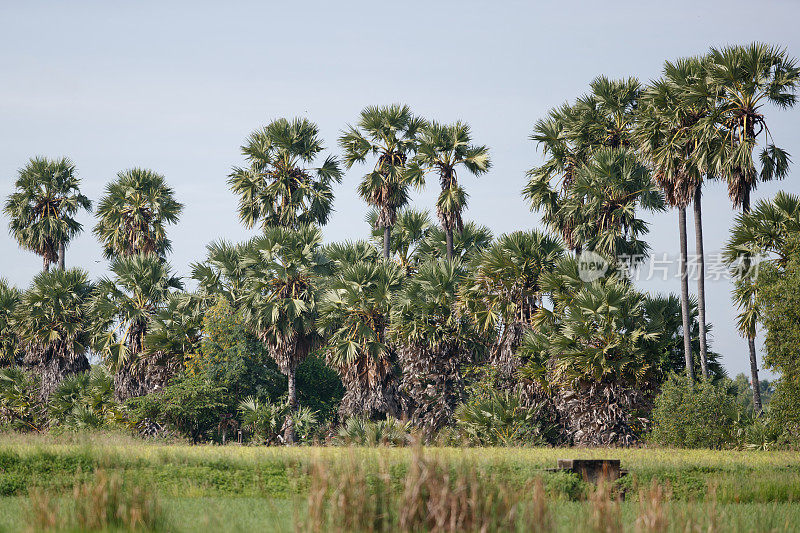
x: 498, y: 418
x: 265, y: 420
x: 698, y: 415
x: 20, y: 407
x: 85, y: 400
x: 361, y: 431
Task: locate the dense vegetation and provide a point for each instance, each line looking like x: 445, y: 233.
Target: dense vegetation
x: 441, y: 331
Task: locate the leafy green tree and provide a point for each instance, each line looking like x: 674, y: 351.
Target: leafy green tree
x: 43, y: 207
x: 389, y: 134
x: 124, y: 304
x: 10, y: 297
x: 354, y: 318
x: 134, y: 212
x: 433, y: 341
x: 470, y: 241
x: 54, y: 325
x: 410, y: 231
x: 443, y: 149
x: 173, y: 331
x: 283, y: 286
x: 278, y: 188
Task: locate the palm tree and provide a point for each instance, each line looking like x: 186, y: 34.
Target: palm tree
x: 285, y: 267
x: 223, y: 272
x: 770, y: 231
x: 568, y: 137
x: 744, y: 79
x: 411, y: 228
x: 472, y: 240
x: 602, y: 362
x: 503, y: 292
x: 442, y: 149
x: 278, y: 188
x: 10, y: 297
x: 54, y: 325
x: 433, y: 341
x: 134, y: 212
x: 43, y: 208
x: 174, y: 331
x: 672, y: 110
x: 140, y: 287
x: 389, y: 133
x: 355, y: 314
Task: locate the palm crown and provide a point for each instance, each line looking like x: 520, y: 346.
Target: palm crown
x: 134, y: 212
x: 279, y: 188
x: 43, y: 207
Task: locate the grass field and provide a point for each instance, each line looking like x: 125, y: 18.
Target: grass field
x: 237, y: 488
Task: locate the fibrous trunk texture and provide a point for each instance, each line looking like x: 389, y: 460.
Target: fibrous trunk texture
x: 687, y: 342
x: 701, y: 280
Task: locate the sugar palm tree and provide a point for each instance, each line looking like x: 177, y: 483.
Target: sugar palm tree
x: 285, y: 269
x: 355, y: 314
x: 433, y: 341
x: 472, y: 240
x: 280, y: 187
x: 568, y: 137
x: 745, y: 78
x: 503, y: 291
x: 134, y: 212
x: 43, y: 207
x: 10, y: 297
x: 770, y: 231
x: 124, y: 304
x: 175, y: 329
x: 411, y: 228
x: 389, y: 134
x: 443, y: 149
x: 223, y: 272
x: 602, y: 361
x: 54, y: 325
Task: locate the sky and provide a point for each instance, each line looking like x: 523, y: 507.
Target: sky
x: 176, y: 87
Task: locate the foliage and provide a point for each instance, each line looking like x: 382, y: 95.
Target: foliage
x: 20, y: 407
x: 133, y: 214
x: 192, y: 405
x: 361, y: 431
x: 266, y: 421
x: 10, y: 297
x: 277, y: 189
x: 500, y: 418
x: 694, y: 415
x: 85, y: 400
x: 43, y: 207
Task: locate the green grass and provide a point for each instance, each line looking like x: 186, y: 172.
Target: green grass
x: 235, y: 488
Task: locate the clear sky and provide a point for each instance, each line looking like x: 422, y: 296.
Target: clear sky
x: 177, y: 87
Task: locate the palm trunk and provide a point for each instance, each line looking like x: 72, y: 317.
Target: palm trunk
x: 701, y: 280
x: 449, y: 237
x: 45, y: 263
x: 751, y: 339
x: 288, y: 434
x: 687, y: 344
x: 61, y: 251
x: 387, y: 239
x: 751, y: 342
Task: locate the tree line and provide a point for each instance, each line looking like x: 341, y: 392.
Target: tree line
x: 422, y: 320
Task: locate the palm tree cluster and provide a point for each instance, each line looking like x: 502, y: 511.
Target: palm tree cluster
x: 410, y: 317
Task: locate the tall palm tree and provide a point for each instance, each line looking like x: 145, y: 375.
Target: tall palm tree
x: 54, y: 325
x: 503, y: 292
x: 472, y: 240
x: 769, y: 231
x: 433, y: 341
x: 279, y: 188
x: 568, y: 137
x: 389, y: 134
x: 124, y: 304
x: 355, y: 316
x: 134, y: 212
x: 672, y: 143
x: 745, y: 78
x: 223, y: 272
x: 43, y: 207
x: 442, y: 149
x: 282, y: 291
x: 10, y: 297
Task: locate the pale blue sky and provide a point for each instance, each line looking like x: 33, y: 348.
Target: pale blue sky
x: 176, y: 87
